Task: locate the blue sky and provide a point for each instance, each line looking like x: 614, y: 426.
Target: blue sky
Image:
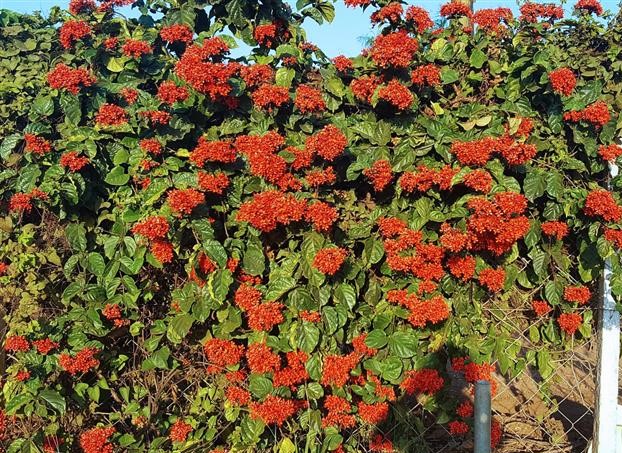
x: 340, y: 37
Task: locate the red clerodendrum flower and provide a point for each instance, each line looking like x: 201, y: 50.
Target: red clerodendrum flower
x: 462, y: 267
x: 355, y: 3
x: 336, y: 369
x: 111, y: 43
x: 373, y: 414
x: 45, y: 345
x: 379, y: 443
x: 270, y: 97
x: 492, y: 20
x: 263, y: 317
x: 380, y: 174
x: 309, y: 99
x: 577, y: 294
x: 329, y: 260
x: 531, y: 12
x: 162, y: 251
x: 554, y: 228
x: 16, y: 343
x: 176, y: 33
x: 274, y: 410
x: 342, y: 63
x: 391, y: 13
x: 465, y: 410
x: 156, y: 117
x: 266, y: 34
x: 269, y: 209
x: 72, y: 161
x: 129, y: 95
x: 151, y: 146
x: 433, y: 311
x: 217, y: 151
x: 261, y: 359
x: 390, y: 226
x: 600, y: 203
x: 540, y: 307
x: 247, y: 297
x: 329, y: 143
x: 135, y: 48
x: 222, y: 353
x: 153, y: 227
x: 256, y: 75
x: 479, y: 180
x: 458, y: 428
x: 419, y: 17
x: 396, y: 94
x: 596, y: 114
x: 428, y: 74
x: 427, y: 381
x: 179, y: 431
x: 493, y: 279
x: 37, y: 145
x: 96, y: 440
x: 610, y: 153
x: 563, y: 81
x: 394, y: 50
x: 589, y: 6
x: 569, y: 322
x: 338, y: 413
x: 112, y: 312
x: 81, y: 6
x: 215, y: 183
x: 322, y: 215
x: 184, y: 201
x: 111, y: 115
x: 237, y: 395
x: 614, y: 236
x: 4, y: 267
x: 295, y: 372
x: 455, y: 9
x: 361, y: 347
x: 310, y: 316
x: 365, y: 87
x: 82, y: 362
x: 169, y: 92
x: 65, y: 77
x: 72, y: 31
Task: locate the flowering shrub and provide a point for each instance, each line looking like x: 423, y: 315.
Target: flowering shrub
x: 285, y: 251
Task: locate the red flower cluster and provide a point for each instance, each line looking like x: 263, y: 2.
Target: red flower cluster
x: 154, y: 227
x: 294, y: 373
x: 222, y: 353
x: 45, y: 345
x: 179, y: 431
x: 557, y: 229
x: 563, y: 81
x: 614, y: 236
x: 22, y: 375
x: 338, y: 413
x: 322, y: 215
x: 111, y: 115
x: 455, y: 9
x: 274, y: 410
x: 129, y: 95
x: 531, y: 12
x: 425, y: 178
x: 16, y: 343
x: 336, y: 369
x: 600, y: 203
x: 492, y: 20
x: 82, y: 362
x: 380, y: 174
x: 263, y: 317
x: 176, y: 33
x: 237, y: 395
x: 433, y: 311
x: 396, y: 94
x: 169, y: 92
x: 596, y: 114
x: 37, y: 145
x: 96, y: 440
x: 419, y: 17
x: 162, y: 251
x: 365, y: 87
x: 218, y: 151
x: 135, y: 48
x: 465, y: 410
x: 428, y: 74
x: 381, y: 444
x: 479, y: 152
x: 309, y: 99
x: 111, y: 43
x: 493, y: 279
x: 458, y: 428
x: 394, y: 50
x: 610, y: 153
x: 151, y: 146
x: 213, y: 182
x: 257, y: 75
x: 355, y: 3
x: 569, y: 322
x: 479, y: 180
x: 329, y: 260
x: 269, y: 209
x: 391, y: 13
x: 22, y: 202
x: 73, y: 161
x: 462, y: 267
x: 72, y: 31
x: 329, y: 143
x: 65, y: 77
x: 590, y: 6
x: 156, y: 117
x: 270, y: 97
x: 81, y: 6
x: 266, y: 34
x: 342, y: 63
x: 374, y: 414
x: 427, y: 381
x: 310, y: 316
x: 496, y: 225
x: 184, y: 201
x: 578, y: 294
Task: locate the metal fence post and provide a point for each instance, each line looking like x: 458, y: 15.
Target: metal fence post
x: 605, y: 423
x: 482, y: 418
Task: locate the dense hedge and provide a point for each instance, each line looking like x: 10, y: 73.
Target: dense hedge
x: 207, y: 253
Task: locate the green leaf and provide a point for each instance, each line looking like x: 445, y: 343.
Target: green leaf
x: 286, y: 446
x: 403, y: 345
x: 96, y: 264
x: 117, y: 177
x: 215, y: 251
x: 260, y: 386
x: 285, y: 77
x: 8, y: 145
x: 477, y: 59
x: 253, y: 261
x: 43, y: 105
x: 535, y: 185
x: 308, y: 337
x: 72, y: 108
x: 116, y: 64
x: 449, y: 75
x: 76, y: 235
x: 391, y: 368
x: 179, y: 328
x: 279, y: 287
x: 54, y: 399
x: 376, y: 339
x: 345, y: 293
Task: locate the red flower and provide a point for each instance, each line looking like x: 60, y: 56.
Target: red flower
x: 16, y: 343
x: 96, y: 440
x: 218, y: 151
x: 179, y: 431
x: 428, y: 74
x: 458, y: 428
x: 433, y: 311
x: 110, y: 115
x: 557, y: 229
x: 309, y: 99
x: 65, y: 77
x: 380, y: 443
x: 135, y: 48
x: 563, y: 81
x: 111, y: 43
x: 453, y: 239
x: 355, y: 3
x: 530, y: 12
x: 479, y: 180
x: 269, y: 97
x: 342, y: 63
x: 419, y: 17
x: 257, y: 75
x: 82, y: 362
x: 380, y: 174
x: 322, y: 215
x: 81, y: 6
x: 589, y: 6
x: 578, y: 294
x: 274, y: 410
x: 266, y: 34
x: 569, y: 322
x: 222, y: 353
x: 45, y: 345
x: 169, y: 92
x: 162, y: 251
x: 394, y: 50
x: 365, y: 87
x: 493, y: 19
x: 493, y: 279
x: 391, y: 13
x: 213, y: 182
x: 465, y: 410
x: 462, y: 267
x: 610, y: 153
x: 72, y: 31
x: 129, y: 95
x: 329, y: 260
x: 596, y: 114
x: 261, y: 359
x: 263, y: 317
x: 336, y: 369
x: 37, y: 145
x: 176, y: 33
x: 20, y: 202
x: 338, y: 413
x: 396, y: 94
x: 237, y: 396
x: 540, y: 307
x: 73, y: 162
x: 374, y: 414
x: 22, y: 375
x: 269, y: 209
x: 329, y: 143
x: 112, y: 312
x: 477, y: 152
x: 614, y: 236
x: 455, y: 9
x: 310, y: 316
x: 317, y: 178
x: 153, y: 227
x: 390, y: 226
x: 600, y: 203
x: 361, y: 347
x: 151, y: 146
x: 157, y: 117
x: 184, y: 201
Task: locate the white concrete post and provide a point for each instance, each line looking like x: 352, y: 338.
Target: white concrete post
x: 606, y: 416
